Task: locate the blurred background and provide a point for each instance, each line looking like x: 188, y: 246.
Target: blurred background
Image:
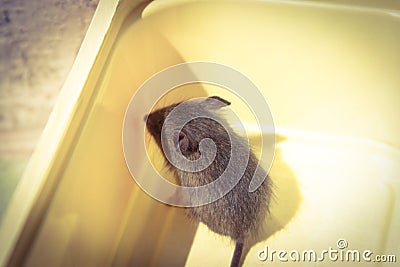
x: 39, y: 40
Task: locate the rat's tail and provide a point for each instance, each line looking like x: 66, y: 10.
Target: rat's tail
x: 237, y: 254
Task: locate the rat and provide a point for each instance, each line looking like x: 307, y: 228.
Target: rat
x: 239, y: 213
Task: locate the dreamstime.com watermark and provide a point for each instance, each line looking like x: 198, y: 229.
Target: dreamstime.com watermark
x: 339, y: 254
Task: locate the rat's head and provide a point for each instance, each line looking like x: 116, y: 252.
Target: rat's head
x: 195, y: 130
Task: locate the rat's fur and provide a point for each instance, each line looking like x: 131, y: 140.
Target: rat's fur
x: 239, y: 213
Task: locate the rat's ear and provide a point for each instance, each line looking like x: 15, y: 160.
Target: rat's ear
x: 183, y: 141
x: 216, y: 102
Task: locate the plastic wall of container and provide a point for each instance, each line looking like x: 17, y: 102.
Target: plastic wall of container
x: 324, y: 69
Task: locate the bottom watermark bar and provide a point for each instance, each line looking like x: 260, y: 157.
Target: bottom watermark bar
x: 331, y: 254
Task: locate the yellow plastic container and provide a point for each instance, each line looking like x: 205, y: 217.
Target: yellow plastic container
x: 330, y: 75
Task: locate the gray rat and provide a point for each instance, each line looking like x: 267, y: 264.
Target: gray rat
x: 239, y: 213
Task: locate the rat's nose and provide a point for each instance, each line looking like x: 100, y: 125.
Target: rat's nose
x: 145, y: 117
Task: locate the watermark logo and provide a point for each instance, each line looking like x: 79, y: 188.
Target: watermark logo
x: 161, y: 83
x: 341, y: 254
x: 342, y: 243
